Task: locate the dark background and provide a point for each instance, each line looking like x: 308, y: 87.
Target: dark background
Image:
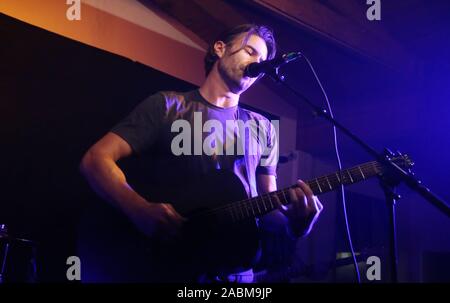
x: 58, y: 97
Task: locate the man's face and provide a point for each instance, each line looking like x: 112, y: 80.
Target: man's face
x: 235, y: 59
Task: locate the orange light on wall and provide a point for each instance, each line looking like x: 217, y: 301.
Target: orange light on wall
x: 111, y: 33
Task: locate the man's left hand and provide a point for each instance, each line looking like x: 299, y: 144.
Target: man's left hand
x: 303, y: 211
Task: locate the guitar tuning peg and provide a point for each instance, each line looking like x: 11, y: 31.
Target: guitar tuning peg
x: 388, y: 152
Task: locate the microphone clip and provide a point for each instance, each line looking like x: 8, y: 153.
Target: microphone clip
x: 275, y: 73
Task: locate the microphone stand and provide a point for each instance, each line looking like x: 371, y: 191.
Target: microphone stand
x: 388, y: 183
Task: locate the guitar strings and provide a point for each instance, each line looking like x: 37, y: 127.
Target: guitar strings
x: 374, y: 167
x: 240, y: 205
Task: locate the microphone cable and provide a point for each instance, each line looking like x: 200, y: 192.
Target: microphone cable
x: 344, y: 203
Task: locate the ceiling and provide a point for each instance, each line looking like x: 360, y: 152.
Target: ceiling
x: 404, y: 23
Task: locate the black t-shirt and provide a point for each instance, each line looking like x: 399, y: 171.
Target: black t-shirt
x: 188, y: 137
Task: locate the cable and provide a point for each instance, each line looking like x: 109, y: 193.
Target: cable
x: 344, y: 206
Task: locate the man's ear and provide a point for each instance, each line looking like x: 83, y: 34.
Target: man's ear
x: 219, y: 48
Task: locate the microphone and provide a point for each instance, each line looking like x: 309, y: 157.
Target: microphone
x: 253, y: 70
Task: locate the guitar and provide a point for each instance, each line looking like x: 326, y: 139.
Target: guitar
x: 219, y: 236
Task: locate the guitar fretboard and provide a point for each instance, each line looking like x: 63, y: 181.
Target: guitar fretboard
x: 263, y: 204
x: 345, y: 177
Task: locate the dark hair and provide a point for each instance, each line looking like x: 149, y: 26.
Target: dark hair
x: 228, y: 36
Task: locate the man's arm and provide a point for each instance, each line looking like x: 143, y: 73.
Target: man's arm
x: 105, y: 177
x: 300, y: 216
x: 108, y: 181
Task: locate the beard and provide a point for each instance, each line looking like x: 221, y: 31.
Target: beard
x: 232, y: 78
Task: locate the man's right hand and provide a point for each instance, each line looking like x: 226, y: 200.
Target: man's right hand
x: 157, y: 220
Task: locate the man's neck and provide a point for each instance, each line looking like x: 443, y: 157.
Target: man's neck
x: 216, y: 92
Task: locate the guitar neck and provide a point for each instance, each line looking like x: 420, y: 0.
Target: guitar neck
x: 263, y: 204
x: 349, y: 176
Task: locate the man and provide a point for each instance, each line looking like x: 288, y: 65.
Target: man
x: 150, y: 128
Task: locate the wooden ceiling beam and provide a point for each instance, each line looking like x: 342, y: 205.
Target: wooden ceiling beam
x: 346, y: 24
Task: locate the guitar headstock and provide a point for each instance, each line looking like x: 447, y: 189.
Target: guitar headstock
x: 403, y: 160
